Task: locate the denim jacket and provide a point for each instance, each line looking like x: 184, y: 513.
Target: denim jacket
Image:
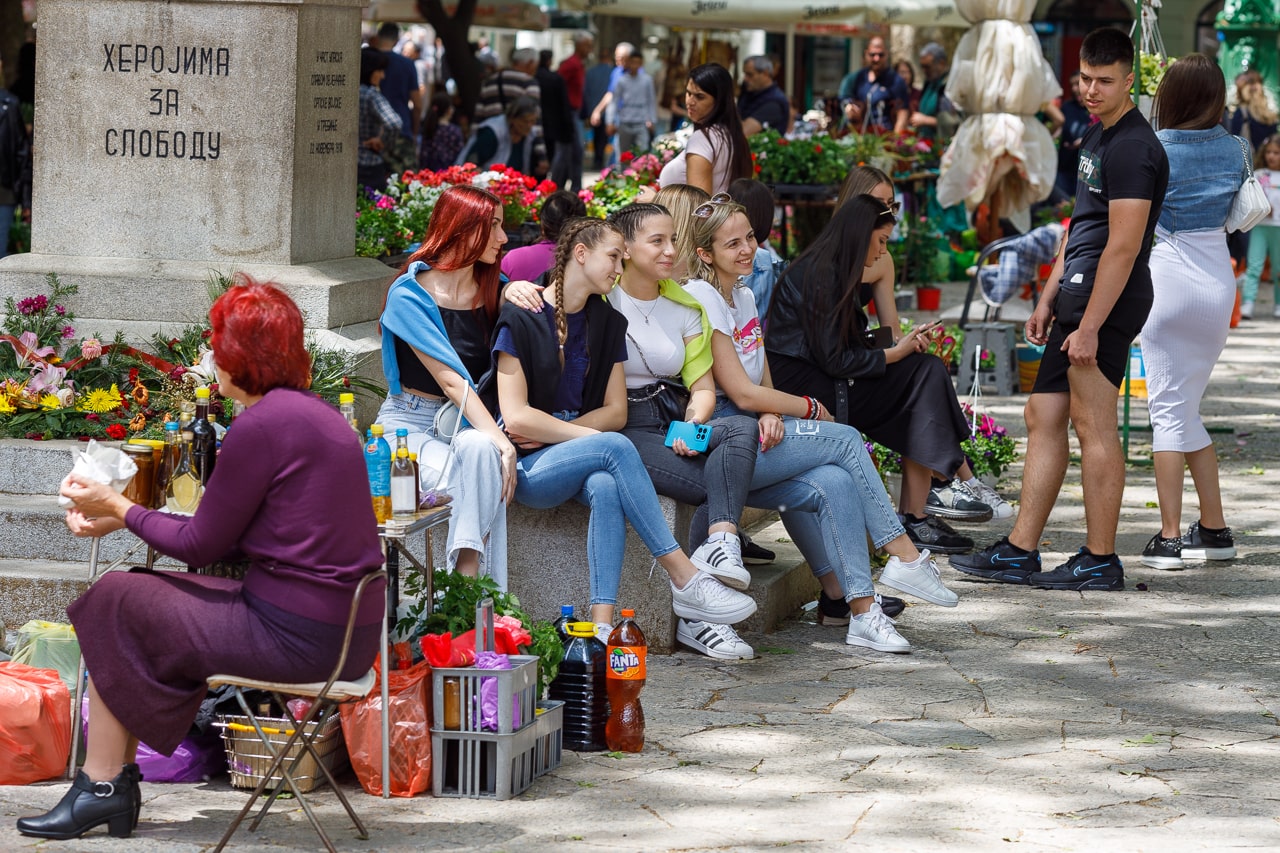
x: 1206, y: 167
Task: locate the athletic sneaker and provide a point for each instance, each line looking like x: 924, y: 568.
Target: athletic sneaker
x: 721, y: 557
x: 920, y: 579
x: 753, y: 554
x: 874, y: 630
x: 1246, y: 310
x: 1084, y: 571
x: 713, y: 640
x: 936, y: 535
x: 835, y: 611
x: 999, y: 562
x: 981, y: 492
x: 706, y: 599
x: 1163, y: 552
x: 1201, y: 544
x: 954, y: 501
x: 603, y: 631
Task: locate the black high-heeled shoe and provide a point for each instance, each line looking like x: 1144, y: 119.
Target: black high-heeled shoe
x: 135, y: 772
x: 86, y: 805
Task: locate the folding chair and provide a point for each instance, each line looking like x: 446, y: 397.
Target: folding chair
x: 327, y: 696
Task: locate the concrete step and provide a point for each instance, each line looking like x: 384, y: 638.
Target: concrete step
x: 35, y: 467
x: 32, y: 527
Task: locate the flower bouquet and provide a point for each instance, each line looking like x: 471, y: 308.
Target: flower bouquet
x: 390, y: 222
x: 619, y: 185
x: 989, y: 447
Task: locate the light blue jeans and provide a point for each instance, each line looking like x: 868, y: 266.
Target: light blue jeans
x: 605, y: 473
x: 477, y: 518
x: 829, y: 495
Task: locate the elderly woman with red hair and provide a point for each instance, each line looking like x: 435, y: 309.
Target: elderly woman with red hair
x: 291, y: 495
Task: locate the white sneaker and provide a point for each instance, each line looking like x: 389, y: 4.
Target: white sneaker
x: 713, y: 640
x: 721, y: 557
x: 874, y: 630
x: 1246, y: 310
x: 705, y: 599
x: 603, y: 631
x: 920, y: 579
x: 980, y: 491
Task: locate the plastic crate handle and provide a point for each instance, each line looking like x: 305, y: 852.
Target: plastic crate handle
x: 484, y: 626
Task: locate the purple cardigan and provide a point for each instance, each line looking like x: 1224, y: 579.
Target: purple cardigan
x: 291, y: 494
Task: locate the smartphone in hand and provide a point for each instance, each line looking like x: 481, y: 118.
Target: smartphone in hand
x: 696, y: 436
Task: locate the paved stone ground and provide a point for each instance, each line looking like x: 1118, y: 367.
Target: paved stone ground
x: 1136, y: 721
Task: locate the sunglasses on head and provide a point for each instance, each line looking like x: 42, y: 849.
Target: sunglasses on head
x: 893, y: 207
x: 705, y: 209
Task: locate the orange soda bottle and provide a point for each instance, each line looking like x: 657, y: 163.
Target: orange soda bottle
x: 627, y: 654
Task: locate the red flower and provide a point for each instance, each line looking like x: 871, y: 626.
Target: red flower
x: 206, y: 334
x: 93, y: 416
x: 783, y: 141
x: 817, y: 149
x: 627, y: 157
x: 116, y: 431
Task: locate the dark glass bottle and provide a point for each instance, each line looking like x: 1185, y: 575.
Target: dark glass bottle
x: 204, y: 438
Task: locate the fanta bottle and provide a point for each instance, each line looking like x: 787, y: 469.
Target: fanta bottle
x: 581, y: 686
x: 627, y: 654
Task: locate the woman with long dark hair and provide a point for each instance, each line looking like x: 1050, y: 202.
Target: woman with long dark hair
x: 899, y: 396
x: 436, y: 321
x: 442, y: 139
x: 717, y: 153
x: 1194, y: 294
x: 562, y: 395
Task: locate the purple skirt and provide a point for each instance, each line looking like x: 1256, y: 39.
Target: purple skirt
x: 152, y: 639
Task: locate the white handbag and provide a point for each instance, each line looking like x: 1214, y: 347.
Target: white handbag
x: 1250, y: 205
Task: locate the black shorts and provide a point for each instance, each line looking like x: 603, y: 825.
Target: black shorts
x: 1115, y: 337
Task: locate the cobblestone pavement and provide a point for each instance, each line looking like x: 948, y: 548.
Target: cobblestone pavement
x: 1024, y: 719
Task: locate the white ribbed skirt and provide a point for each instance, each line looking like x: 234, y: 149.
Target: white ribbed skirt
x: 1195, y: 293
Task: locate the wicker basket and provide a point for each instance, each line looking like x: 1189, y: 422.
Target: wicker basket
x: 248, y: 759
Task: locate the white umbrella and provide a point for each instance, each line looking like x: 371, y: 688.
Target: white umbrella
x: 777, y: 15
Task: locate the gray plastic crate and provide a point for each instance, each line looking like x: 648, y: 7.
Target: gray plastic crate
x: 486, y: 765
x: 517, y: 695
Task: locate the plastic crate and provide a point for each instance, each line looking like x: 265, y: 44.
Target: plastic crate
x: 248, y: 759
x: 550, y: 733
x: 517, y: 696
x: 486, y: 765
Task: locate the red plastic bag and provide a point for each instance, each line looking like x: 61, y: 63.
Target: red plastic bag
x: 410, y: 721
x: 35, y: 724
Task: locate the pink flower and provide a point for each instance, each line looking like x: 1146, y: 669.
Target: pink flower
x: 91, y: 348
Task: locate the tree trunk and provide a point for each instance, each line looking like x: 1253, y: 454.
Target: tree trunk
x: 452, y: 30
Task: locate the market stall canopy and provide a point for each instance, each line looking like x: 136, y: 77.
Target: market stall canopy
x: 512, y: 14
x: 777, y: 15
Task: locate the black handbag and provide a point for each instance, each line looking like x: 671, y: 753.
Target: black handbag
x: 669, y: 396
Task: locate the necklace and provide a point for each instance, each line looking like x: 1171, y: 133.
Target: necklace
x: 636, y: 303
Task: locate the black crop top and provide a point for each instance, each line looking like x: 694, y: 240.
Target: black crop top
x: 468, y: 332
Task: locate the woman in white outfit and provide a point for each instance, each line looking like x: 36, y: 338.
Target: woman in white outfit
x: 1194, y: 296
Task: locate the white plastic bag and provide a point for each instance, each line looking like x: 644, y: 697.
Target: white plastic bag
x: 102, y: 464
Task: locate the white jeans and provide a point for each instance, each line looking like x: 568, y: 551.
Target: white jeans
x: 478, y: 519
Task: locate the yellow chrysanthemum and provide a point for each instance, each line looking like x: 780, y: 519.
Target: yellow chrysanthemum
x: 6, y: 407
x: 50, y: 401
x: 100, y: 400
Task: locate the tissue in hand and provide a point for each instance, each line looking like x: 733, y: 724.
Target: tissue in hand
x: 103, y: 464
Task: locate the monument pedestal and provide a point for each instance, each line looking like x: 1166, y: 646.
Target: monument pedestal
x: 176, y: 139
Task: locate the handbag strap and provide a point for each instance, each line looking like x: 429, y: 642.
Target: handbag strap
x: 645, y: 361
x: 448, y: 459
x: 1248, y: 163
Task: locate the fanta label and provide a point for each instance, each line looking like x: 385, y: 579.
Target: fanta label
x: 626, y: 662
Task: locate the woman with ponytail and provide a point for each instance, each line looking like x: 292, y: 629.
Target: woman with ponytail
x: 562, y: 394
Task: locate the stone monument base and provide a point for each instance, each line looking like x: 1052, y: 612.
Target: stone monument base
x: 141, y: 297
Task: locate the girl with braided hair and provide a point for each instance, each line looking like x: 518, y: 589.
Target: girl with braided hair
x: 562, y: 396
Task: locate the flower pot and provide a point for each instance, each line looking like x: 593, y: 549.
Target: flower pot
x: 902, y: 300
x: 929, y: 298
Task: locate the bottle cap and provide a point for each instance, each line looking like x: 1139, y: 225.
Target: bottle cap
x: 171, y: 426
x: 580, y: 629
x: 376, y: 429
x: 628, y: 614
x: 346, y: 397
x: 401, y: 431
x: 202, y: 393
x: 566, y: 609
x: 413, y: 457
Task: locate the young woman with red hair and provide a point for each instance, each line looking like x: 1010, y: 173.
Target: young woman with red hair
x: 436, y: 322
x: 290, y: 492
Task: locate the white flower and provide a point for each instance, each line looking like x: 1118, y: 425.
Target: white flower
x: 66, y: 396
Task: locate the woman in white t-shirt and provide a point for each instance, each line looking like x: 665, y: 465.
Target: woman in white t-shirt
x: 717, y: 153
x: 817, y: 469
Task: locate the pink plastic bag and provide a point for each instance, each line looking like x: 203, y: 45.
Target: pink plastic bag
x: 35, y: 724
x: 197, y: 758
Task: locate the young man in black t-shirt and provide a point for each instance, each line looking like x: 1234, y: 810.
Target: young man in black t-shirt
x: 1093, y: 306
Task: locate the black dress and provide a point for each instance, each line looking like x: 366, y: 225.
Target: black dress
x: 909, y: 406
